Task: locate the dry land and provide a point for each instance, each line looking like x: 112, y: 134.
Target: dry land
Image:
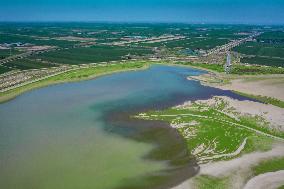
x: 264, y: 85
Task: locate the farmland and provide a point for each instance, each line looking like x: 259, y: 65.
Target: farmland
x: 92, y: 54
x: 266, y: 49
x: 28, y: 63
x: 83, y: 43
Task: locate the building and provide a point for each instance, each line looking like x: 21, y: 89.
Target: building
x: 228, y: 65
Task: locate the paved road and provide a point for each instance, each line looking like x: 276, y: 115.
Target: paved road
x: 232, y: 44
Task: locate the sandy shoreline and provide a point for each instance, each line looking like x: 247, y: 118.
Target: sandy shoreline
x: 273, y: 115
x: 272, y: 180
x: 238, y: 168
x: 264, y: 85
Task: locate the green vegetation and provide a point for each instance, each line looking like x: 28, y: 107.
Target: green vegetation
x: 277, y: 62
x: 4, y: 69
x: 86, y: 73
x: 264, y: 99
x: 212, y: 132
x: 272, y: 37
x: 261, y: 49
x: 28, y: 63
x: 269, y: 166
x: 193, y: 43
x: 267, y: 49
x: 258, y: 143
x: 212, y: 67
x: 254, y: 70
x: 15, y: 37
x: 6, y: 52
x: 91, y: 55
x: 74, y: 75
x: 239, y: 69
x: 207, y: 182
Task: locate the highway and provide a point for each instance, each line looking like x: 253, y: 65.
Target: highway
x: 227, y: 47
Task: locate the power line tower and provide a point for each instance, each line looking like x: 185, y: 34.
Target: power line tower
x: 228, y: 65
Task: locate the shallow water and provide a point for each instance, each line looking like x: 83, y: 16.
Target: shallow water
x: 79, y: 135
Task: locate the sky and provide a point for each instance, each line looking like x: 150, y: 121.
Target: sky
x: 182, y: 11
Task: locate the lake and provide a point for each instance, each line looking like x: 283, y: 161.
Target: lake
x: 82, y: 135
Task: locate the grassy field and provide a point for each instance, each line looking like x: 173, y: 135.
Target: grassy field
x: 269, y: 166
x: 74, y: 75
x: 208, y: 182
x: 210, y: 131
x: 211, y: 67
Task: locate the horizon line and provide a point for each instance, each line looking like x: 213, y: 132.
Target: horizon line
x: 143, y: 22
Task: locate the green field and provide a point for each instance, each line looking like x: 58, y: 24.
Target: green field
x: 190, y: 43
x: 261, y: 49
x: 6, y: 52
x: 254, y: 70
x: 276, y: 62
x: 28, y: 63
x: 15, y: 38
x: 4, y: 69
x: 269, y: 166
x: 92, y: 54
x: 266, y: 49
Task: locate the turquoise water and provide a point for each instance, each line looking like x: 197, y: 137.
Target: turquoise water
x: 79, y: 135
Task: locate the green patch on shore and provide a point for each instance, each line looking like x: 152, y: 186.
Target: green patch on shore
x: 241, y: 69
x: 264, y: 99
x: 85, y: 73
x: 258, y: 143
x: 208, y: 182
x: 212, y: 67
x: 215, y: 131
x: 238, y: 69
x: 269, y: 166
